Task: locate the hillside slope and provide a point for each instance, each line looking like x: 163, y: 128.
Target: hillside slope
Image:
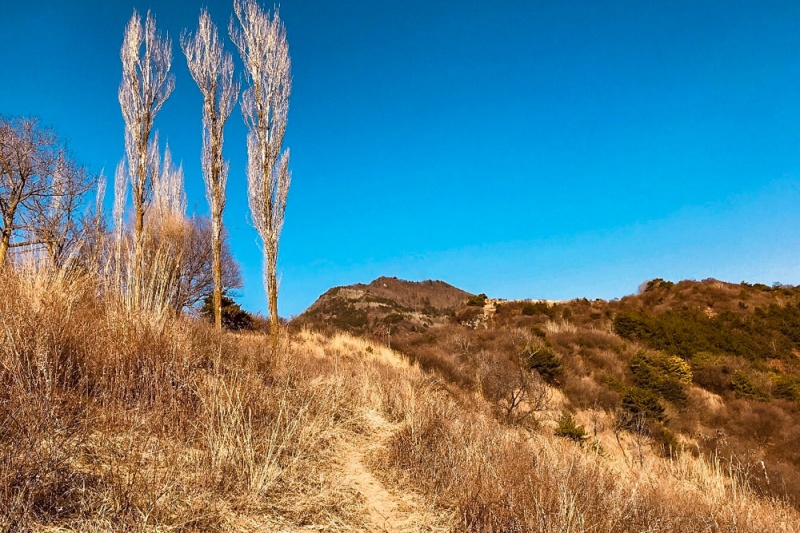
x: 706, y: 367
x: 118, y: 421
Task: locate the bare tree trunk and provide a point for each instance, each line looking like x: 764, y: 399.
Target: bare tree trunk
x: 216, y: 245
x: 8, y: 228
x: 5, y: 240
x: 274, y: 320
x: 138, y: 247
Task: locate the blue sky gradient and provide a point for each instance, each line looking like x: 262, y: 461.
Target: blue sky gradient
x: 522, y: 149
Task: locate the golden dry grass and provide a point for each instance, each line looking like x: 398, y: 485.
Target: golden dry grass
x: 112, y: 420
x: 500, y: 478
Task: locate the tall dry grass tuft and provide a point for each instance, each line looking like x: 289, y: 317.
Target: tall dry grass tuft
x: 154, y: 300
x: 560, y: 326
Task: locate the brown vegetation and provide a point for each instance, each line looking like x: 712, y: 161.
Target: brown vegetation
x: 725, y: 384
x: 113, y: 420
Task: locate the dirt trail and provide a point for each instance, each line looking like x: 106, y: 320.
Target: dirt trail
x: 388, y: 511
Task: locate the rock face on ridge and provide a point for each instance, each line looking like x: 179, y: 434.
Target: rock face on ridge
x: 386, y: 301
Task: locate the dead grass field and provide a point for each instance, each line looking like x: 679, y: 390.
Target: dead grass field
x: 117, y: 421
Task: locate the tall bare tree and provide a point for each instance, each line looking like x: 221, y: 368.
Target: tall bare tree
x: 42, y: 189
x: 146, y: 85
x: 118, y: 214
x: 212, y: 70
x: 262, y: 44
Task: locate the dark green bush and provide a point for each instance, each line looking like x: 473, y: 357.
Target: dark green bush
x: 663, y: 374
x: 787, y: 387
x: 537, y: 308
x: 644, y: 402
x: 744, y: 387
x: 658, y: 283
x: 544, y: 361
x: 234, y: 317
x: 477, y: 300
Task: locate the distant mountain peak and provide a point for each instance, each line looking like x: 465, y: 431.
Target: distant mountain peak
x: 368, y: 307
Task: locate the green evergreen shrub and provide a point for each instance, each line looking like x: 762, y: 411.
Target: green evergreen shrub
x: 664, y: 375
x: 537, y: 308
x: 637, y: 400
x: 478, y: 300
x: 787, y: 387
x: 744, y: 387
x: 234, y: 317
x: 543, y: 359
x: 569, y: 429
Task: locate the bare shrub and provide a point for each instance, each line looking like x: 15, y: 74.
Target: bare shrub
x: 516, y: 389
x: 560, y: 326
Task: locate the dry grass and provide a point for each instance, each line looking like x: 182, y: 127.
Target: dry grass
x: 496, y: 478
x: 560, y: 326
x: 113, y: 420
x: 109, y: 422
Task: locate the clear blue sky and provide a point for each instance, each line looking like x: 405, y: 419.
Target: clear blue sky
x: 523, y: 149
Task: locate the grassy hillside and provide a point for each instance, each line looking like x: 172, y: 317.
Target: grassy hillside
x: 118, y: 421
x: 706, y: 367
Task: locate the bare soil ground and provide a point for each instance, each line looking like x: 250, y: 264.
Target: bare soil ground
x: 390, y: 509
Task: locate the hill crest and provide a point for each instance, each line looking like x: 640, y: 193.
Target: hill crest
x: 384, y: 301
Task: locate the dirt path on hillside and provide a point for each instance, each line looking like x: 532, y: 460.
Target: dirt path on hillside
x: 388, y: 510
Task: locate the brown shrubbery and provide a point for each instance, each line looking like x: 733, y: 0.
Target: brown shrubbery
x: 684, y: 356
